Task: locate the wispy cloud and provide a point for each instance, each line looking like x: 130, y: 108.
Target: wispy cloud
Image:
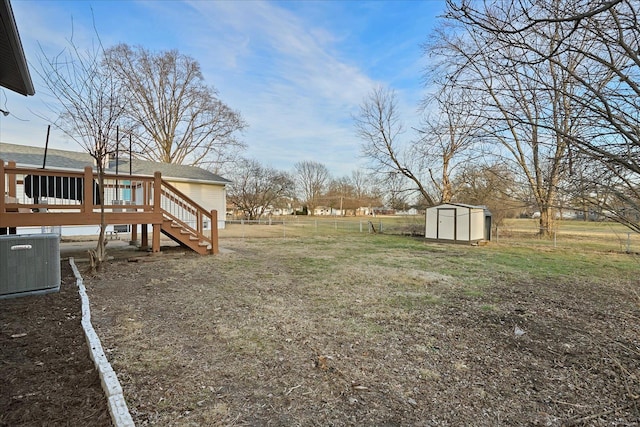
x: 298, y: 96
x: 297, y: 71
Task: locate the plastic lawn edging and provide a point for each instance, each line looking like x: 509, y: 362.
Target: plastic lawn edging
x: 113, y: 390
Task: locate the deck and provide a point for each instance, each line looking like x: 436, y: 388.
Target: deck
x: 54, y: 197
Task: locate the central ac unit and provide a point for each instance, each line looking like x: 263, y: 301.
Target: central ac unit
x: 29, y: 264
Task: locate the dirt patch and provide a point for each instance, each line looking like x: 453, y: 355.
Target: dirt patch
x: 47, y: 375
x: 326, y: 332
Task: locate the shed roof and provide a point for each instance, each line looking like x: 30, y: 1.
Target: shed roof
x: 25, y: 155
x: 463, y: 205
x: 14, y: 73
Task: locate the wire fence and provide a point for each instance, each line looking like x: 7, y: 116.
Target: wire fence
x: 601, y: 236
x: 298, y: 226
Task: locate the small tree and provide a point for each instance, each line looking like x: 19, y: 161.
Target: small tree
x: 311, y: 180
x: 256, y: 188
x: 89, y: 106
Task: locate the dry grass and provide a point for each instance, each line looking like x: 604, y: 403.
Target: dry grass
x: 374, y: 330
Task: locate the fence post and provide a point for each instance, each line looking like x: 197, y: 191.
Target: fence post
x: 361, y: 226
x: 628, y: 243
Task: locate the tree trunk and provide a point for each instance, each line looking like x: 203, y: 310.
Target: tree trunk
x: 99, y: 254
x: 546, y: 222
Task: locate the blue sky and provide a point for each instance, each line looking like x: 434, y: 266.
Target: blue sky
x: 296, y: 70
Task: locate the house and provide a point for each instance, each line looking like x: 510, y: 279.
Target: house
x: 460, y: 223
x: 67, y: 197
x: 203, y: 187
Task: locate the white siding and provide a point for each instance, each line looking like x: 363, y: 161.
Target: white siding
x: 447, y: 220
x: 431, y: 230
x: 455, y: 222
x: 209, y: 196
x: 477, y: 224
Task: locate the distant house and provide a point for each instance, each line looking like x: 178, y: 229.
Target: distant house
x: 203, y: 187
x: 327, y: 211
x: 408, y: 212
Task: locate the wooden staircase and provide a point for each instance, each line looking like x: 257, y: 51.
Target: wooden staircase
x: 183, y: 220
x: 184, y: 235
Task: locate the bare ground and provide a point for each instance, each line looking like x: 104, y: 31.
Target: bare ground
x: 327, y: 332
x: 280, y: 332
x: 46, y: 375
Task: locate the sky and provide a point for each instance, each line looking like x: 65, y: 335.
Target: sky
x: 297, y: 71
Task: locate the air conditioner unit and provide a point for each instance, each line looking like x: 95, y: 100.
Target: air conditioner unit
x: 29, y: 264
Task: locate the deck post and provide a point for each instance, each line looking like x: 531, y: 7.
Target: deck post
x: 156, y: 238
x: 157, y: 193
x: 87, y: 198
x: 2, y: 186
x: 134, y: 227
x: 134, y: 232
x: 144, y: 239
x: 214, y: 232
x: 11, y: 181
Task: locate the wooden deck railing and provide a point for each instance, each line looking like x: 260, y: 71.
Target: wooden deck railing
x: 47, y: 197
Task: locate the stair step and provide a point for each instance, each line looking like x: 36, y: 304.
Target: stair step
x: 186, y: 235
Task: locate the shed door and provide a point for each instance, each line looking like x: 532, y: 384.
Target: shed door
x: 447, y: 224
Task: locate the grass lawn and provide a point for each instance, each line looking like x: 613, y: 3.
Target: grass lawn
x: 373, y: 329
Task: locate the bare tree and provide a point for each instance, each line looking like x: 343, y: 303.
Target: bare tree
x: 450, y: 129
x: 256, y: 188
x: 493, y: 186
x: 311, y: 180
x: 178, y: 118
x: 360, y: 181
x: 340, y: 195
x: 529, y: 105
x: 607, y: 34
x: 349, y: 193
x: 379, y: 126
x: 396, y: 195
x: 89, y: 108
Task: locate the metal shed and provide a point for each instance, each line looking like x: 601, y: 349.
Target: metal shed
x: 460, y: 223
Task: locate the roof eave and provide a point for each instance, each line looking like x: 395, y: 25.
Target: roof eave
x: 200, y: 181
x: 13, y: 38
